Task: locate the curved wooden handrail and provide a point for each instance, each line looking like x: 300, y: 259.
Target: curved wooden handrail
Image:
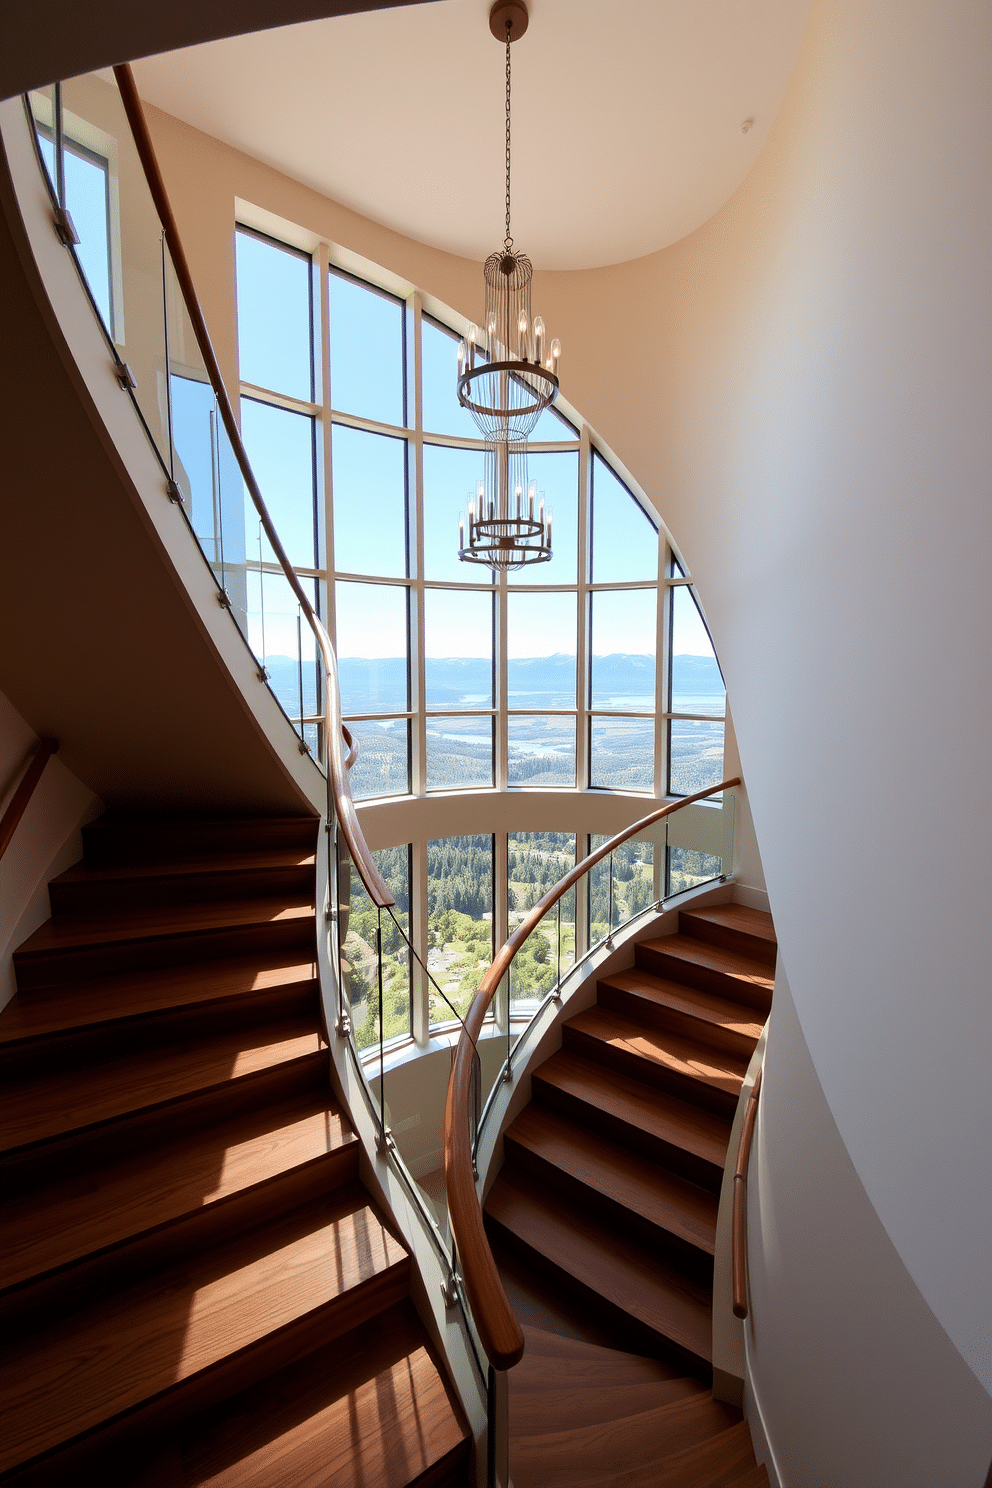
x: 499, y: 1331
x: 337, y: 764
x: 41, y: 753
x: 738, y: 1241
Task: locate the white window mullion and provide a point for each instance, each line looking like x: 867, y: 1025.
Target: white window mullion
x: 583, y: 637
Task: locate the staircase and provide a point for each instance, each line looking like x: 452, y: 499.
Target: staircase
x: 195, y: 1286
x: 603, y: 1217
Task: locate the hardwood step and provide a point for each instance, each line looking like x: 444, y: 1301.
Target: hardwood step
x: 735, y: 927
x: 559, y: 1407
x: 193, y: 1334
x: 687, y: 1069
x: 231, y: 989
x: 132, y: 838
x: 686, y: 1138
x: 612, y: 1451
x: 83, y: 889
x: 169, y: 1196
x: 682, y: 958
x: 657, y: 1307
x: 756, y: 1478
x: 620, y: 1188
x: 687, y: 1011
x: 722, y: 1461
x: 69, y: 947
x: 42, y: 1108
x: 370, y: 1409
x: 584, y: 1363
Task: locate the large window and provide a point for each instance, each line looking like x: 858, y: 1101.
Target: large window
x: 554, y: 677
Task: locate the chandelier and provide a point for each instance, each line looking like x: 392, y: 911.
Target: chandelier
x: 507, y: 385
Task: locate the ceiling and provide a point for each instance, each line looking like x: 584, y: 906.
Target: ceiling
x: 627, y: 116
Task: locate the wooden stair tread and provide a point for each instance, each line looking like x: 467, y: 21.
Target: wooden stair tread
x: 732, y: 964
x: 50, y: 1010
x: 755, y: 922
x: 640, y: 1186
x: 585, y: 1454
x: 132, y: 1348
x: 586, y: 1363
x: 756, y: 1478
x: 713, y: 1067
x: 69, y: 932
x: 370, y: 1410
x: 561, y: 1407
x: 719, y: 1462
x: 106, y: 1204
x: 46, y: 1106
x: 706, y: 1007
x: 630, y: 1276
x: 195, y: 864
x: 655, y: 1112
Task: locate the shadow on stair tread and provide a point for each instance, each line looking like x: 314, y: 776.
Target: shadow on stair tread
x: 372, y: 1408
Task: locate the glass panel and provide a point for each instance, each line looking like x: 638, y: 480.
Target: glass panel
x: 541, y: 750
x: 687, y: 868
x: 632, y: 888
x: 369, y: 503
x: 535, y: 863
x: 557, y: 476
x: 42, y: 101
x: 443, y: 414
x: 120, y: 205
x: 372, y: 630
x: 624, y: 544
x: 459, y: 753
x: 87, y: 200
x: 283, y: 642
x: 459, y: 919
x: 358, y: 953
x: 624, y: 632
x: 275, y: 335
x: 695, y: 756
x: 621, y: 753
x: 450, y: 478
x: 367, y: 352
x: 552, y: 427
x: 697, y: 686
x: 541, y: 640
x: 458, y: 648
x: 281, y: 448
x: 383, y: 764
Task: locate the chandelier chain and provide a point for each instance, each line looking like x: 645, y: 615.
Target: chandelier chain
x: 508, y: 240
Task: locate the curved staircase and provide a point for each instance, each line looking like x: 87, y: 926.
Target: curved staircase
x: 196, y: 1288
x: 603, y: 1217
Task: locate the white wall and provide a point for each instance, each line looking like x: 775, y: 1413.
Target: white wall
x: 46, y: 842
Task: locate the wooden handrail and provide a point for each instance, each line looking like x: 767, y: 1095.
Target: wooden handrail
x: 738, y: 1242
x: 337, y: 764
x: 499, y: 1331
x: 41, y: 753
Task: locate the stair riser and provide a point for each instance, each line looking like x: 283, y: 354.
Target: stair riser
x: 60, y: 1155
x: 55, y: 968
x: 633, y: 1138
x: 45, y: 1300
x: 690, y: 1259
x: 117, y: 845
x: 631, y: 1333
x: 683, y: 1087
x: 648, y: 1013
x: 737, y: 941
x: 80, y: 897
x: 87, y: 1457
x: 122, y: 1036
x: 691, y: 974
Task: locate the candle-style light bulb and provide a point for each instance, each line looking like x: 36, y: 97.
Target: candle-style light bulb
x: 540, y: 512
x: 522, y: 329
x: 473, y: 334
x: 491, y: 335
x: 538, y: 339
x: 462, y: 354
x: 531, y: 494
x: 461, y: 534
x: 555, y: 354
x: 549, y: 530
